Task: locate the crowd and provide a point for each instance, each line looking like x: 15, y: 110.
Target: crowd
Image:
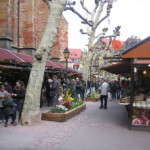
x: 55, y: 88
x: 12, y: 97
x: 11, y: 101
x: 80, y: 89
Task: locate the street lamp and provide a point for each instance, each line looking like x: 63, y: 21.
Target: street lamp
x: 66, y: 56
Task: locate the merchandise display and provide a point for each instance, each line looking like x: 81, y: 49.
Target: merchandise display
x: 141, y: 117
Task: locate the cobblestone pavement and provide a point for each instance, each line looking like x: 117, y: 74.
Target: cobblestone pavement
x: 93, y: 129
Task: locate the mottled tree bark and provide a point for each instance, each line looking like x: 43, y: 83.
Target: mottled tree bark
x: 31, y: 109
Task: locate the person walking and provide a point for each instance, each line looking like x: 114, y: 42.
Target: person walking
x: 19, y: 96
x: 104, y: 94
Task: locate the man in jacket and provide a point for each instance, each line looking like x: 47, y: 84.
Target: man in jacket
x: 104, y: 94
x: 55, y: 90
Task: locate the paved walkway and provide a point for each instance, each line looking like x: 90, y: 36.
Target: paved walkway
x: 93, y: 129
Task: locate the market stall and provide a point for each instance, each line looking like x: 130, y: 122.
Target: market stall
x: 135, y: 65
x: 19, y: 65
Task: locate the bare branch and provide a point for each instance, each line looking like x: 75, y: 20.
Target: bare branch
x: 79, y: 15
x: 104, y: 30
x: 82, y: 32
x: 109, y: 7
x: 96, y: 4
x: 116, y: 31
x: 101, y: 21
x: 83, y: 6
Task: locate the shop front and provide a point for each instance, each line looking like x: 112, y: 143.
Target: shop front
x: 135, y: 65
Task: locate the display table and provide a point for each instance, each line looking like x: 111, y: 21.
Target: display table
x: 142, y: 104
x: 141, y: 114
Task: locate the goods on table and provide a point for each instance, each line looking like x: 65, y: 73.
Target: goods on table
x: 141, y: 117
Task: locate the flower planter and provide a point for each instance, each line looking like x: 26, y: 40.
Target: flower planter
x: 60, y: 117
x: 92, y: 99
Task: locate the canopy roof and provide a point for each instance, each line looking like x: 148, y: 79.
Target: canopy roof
x: 118, y: 68
x: 124, y: 67
x: 10, y: 57
x: 140, y: 54
x: 20, y: 58
x: 140, y: 50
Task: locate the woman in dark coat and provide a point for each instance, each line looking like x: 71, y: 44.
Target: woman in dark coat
x: 9, y: 109
x: 19, y: 96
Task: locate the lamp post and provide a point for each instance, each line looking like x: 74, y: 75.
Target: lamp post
x: 66, y: 56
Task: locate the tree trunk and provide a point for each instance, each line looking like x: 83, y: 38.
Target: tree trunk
x: 31, y: 109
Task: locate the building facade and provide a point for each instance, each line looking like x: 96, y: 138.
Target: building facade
x: 22, y: 24
x: 75, y: 58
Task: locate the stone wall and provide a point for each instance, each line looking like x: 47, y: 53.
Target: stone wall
x: 5, y: 23
x: 24, y: 21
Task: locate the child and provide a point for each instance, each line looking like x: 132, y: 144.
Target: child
x: 9, y: 108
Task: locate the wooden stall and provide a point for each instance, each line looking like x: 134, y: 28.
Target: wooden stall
x: 135, y: 64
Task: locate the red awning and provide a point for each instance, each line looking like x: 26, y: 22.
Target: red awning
x: 25, y: 57
x: 52, y: 65
x: 21, y: 58
x: 7, y: 55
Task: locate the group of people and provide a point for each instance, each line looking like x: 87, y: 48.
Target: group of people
x: 11, y: 102
x: 79, y: 88
x: 55, y: 87
x: 12, y: 98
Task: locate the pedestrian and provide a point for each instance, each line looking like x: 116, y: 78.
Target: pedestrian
x: 55, y: 90
x: 118, y: 90
x: 104, y: 94
x: 3, y: 92
x: 113, y: 89
x: 9, y: 109
x: 79, y: 89
x: 49, y: 89
x: 83, y: 89
x: 19, y: 96
x: 72, y: 87
x: 8, y: 87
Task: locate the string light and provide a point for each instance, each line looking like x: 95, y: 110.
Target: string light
x: 144, y: 72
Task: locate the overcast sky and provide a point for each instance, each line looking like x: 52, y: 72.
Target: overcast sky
x: 132, y: 15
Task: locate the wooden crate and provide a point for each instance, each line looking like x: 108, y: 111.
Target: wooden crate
x: 60, y: 117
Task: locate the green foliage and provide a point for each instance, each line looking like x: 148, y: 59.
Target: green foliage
x: 57, y: 110
x: 94, y: 95
x: 76, y: 104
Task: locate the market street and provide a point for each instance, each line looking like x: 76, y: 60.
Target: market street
x: 93, y: 129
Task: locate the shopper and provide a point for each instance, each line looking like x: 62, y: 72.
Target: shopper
x: 9, y: 109
x: 104, y: 94
x: 49, y: 92
x: 72, y: 87
x: 3, y: 92
x: 55, y: 90
x: 79, y: 89
x: 19, y: 96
